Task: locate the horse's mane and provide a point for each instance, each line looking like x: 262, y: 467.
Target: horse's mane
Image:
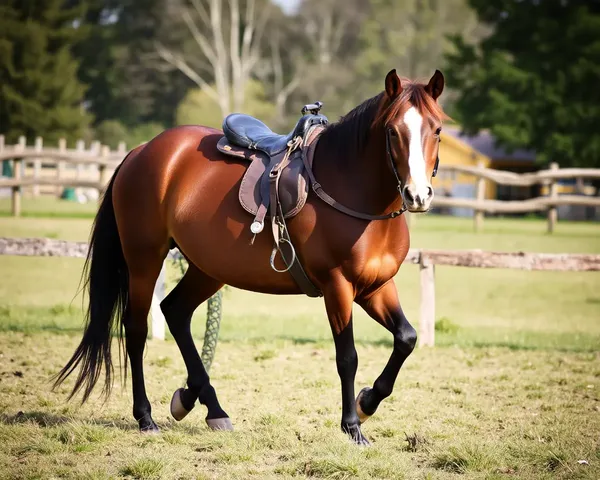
x: 351, y: 132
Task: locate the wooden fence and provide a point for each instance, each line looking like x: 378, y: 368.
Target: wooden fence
x: 99, y: 157
x: 426, y: 259
x: 549, y: 203
x: 107, y: 160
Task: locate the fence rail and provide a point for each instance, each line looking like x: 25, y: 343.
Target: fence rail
x: 99, y: 156
x: 549, y: 203
x: 426, y: 259
x: 107, y: 160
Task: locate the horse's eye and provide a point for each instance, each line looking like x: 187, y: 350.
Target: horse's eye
x: 393, y: 132
x: 438, y: 131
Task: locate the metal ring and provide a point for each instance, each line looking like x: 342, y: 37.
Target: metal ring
x: 274, y: 253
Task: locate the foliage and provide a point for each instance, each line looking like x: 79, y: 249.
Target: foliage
x: 40, y: 94
x: 111, y: 132
x: 117, y: 63
x: 199, y: 108
x: 533, y: 82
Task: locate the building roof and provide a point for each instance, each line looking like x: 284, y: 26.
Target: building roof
x: 484, y: 142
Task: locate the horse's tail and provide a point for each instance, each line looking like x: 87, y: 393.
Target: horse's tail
x: 106, y: 280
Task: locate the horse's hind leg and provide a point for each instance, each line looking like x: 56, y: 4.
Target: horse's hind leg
x: 385, y: 308
x: 142, y: 278
x: 194, y: 288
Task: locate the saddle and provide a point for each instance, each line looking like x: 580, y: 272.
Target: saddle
x: 276, y: 182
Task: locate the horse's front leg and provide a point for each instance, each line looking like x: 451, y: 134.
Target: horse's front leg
x: 338, y: 302
x: 384, y: 307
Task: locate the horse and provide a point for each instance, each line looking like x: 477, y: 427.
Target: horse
x: 179, y: 190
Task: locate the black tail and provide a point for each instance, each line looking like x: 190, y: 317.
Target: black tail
x: 107, y: 283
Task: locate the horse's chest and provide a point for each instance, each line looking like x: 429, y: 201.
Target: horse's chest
x: 373, y: 265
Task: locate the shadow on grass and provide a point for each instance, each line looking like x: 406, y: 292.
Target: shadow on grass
x: 48, y: 420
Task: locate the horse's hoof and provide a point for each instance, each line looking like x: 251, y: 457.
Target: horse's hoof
x: 353, y: 431
x: 178, y: 411
x: 362, y: 416
x: 147, y: 426
x: 219, y: 423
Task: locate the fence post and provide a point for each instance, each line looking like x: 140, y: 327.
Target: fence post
x: 3, y: 162
x: 158, y: 319
x: 121, y: 148
x: 62, y: 148
x: 37, y: 165
x: 552, y: 212
x: 103, y: 169
x: 427, y: 319
x: 480, y: 198
x: 17, y: 175
x: 80, y: 148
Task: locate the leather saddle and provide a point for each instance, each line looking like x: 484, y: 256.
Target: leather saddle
x: 249, y: 138
x: 276, y: 182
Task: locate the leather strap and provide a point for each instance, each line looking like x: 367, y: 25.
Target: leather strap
x: 307, y: 157
x: 280, y: 231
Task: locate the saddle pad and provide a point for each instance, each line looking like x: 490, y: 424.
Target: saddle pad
x: 293, y: 183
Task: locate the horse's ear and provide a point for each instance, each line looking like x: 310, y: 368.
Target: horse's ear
x: 435, y: 85
x: 393, y: 86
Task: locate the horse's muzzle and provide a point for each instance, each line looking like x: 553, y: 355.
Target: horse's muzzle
x: 417, y: 198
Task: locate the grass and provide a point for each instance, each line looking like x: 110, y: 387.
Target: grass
x: 454, y: 411
x: 512, y: 390
x: 49, y: 207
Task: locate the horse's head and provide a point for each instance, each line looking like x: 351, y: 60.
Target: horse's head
x: 413, y: 121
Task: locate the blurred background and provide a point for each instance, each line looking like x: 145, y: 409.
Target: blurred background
x: 521, y: 76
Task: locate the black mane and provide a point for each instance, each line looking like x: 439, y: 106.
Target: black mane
x: 351, y: 132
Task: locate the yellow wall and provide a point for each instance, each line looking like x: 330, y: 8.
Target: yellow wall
x: 455, y: 152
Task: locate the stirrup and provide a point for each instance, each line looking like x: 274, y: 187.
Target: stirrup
x: 274, y: 254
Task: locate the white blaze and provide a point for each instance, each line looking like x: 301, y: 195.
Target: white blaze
x: 416, y: 160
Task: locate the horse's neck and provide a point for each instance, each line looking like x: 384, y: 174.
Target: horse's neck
x: 363, y: 180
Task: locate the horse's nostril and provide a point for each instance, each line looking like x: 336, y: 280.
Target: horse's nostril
x: 408, y: 197
x: 429, y: 192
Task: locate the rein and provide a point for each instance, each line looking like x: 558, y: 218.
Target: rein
x: 318, y: 189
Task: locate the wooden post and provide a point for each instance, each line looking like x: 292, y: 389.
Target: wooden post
x: 60, y: 166
x: 552, y: 212
x: 427, y: 319
x: 121, y: 148
x: 80, y: 147
x: 158, y: 319
x: 103, y: 169
x: 37, y: 165
x: 17, y: 175
x: 480, y: 198
x: 1, y: 150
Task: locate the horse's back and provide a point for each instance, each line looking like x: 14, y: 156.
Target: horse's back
x: 179, y: 186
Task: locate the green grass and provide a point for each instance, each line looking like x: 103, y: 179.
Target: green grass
x: 516, y: 309
x: 511, y: 391
x: 49, y: 207
x: 493, y: 413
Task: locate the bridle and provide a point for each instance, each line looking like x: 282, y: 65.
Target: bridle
x: 318, y: 189
x: 388, y: 149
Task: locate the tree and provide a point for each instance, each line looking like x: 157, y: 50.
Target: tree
x: 228, y: 40
x: 200, y: 108
x: 533, y: 82
x: 119, y: 65
x: 40, y: 93
x: 412, y: 36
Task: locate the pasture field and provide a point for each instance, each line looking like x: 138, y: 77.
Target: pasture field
x: 511, y: 391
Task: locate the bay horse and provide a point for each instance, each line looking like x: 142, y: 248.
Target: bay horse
x: 178, y: 189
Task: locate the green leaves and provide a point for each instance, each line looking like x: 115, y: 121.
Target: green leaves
x: 40, y: 93
x: 533, y: 81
